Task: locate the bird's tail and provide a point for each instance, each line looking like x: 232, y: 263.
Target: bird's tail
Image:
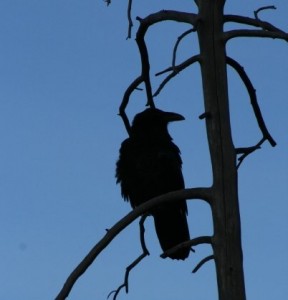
x: 172, y: 229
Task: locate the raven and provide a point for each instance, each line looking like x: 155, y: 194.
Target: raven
x: 149, y: 165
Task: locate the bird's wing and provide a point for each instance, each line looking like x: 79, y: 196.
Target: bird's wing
x: 146, y: 172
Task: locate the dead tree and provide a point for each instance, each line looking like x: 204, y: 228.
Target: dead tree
x: 222, y: 196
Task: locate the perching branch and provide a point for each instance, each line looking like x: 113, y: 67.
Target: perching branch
x: 205, y: 194
x: 145, y: 252
x: 191, y: 243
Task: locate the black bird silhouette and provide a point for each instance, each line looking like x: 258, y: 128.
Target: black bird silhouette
x: 149, y: 165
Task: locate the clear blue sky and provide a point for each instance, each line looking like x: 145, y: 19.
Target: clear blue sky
x: 64, y: 66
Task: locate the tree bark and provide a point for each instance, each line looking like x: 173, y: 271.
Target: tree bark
x: 225, y: 209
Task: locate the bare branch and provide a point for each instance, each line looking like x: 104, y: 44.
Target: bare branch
x: 269, y: 30
x: 133, y: 86
x: 130, y: 22
x: 200, y: 240
x: 145, y: 73
x: 262, y: 8
x: 179, y: 39
x: 206, y: 194
x: 135, y: 262
x: 175, y: 71
x: 142, y: 234
x: 145, y: 23
x: 169, y: 15
x: 246, y: 151
x: 254, y: 33
x: 252, y: 22
x: 202, y: 262
x: 140, y: 39
x: 191, y: 243
x: 205, y: 115
x: 253, y: 98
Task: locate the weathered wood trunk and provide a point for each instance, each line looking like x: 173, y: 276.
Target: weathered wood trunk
x: 225, y: 208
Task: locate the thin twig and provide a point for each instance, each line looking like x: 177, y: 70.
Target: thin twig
x: 262, y: 8
x: 135, y: 262
x: 131, y: 88
x: 142, y: 234
x: 202, y: 262
x: 179, y: 39
x: 175, y: 70
x: 130, y: 22
x: 246, y: 151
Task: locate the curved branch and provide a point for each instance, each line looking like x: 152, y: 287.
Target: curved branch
x: 269, y: 30
x: 145, y: 73
x: 254, y: 33
x: 253, y: 98
x: 202, y: 262
x: 252, y: 22
x: 175, y: 71
x: 206, y: 194
x: 169, y: 15
x: 191, y: 243
x: 179, y: 39
x: 140, y: 39
x: 133, y: 86
x: 145, y: 23
x: 256, y: 12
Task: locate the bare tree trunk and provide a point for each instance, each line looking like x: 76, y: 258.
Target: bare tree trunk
x: 225, y: 208
x: 223, y: 195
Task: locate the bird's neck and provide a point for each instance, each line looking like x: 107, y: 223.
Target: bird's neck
x: 153, y: 135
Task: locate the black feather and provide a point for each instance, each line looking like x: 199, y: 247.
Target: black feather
x: 149, y: 165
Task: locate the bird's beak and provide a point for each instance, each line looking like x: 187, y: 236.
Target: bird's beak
x: 171, y: 117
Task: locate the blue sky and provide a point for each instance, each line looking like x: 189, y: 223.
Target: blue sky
x: 64, y: 66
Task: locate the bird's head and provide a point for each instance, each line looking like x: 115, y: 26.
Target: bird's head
x: 153, y: 122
